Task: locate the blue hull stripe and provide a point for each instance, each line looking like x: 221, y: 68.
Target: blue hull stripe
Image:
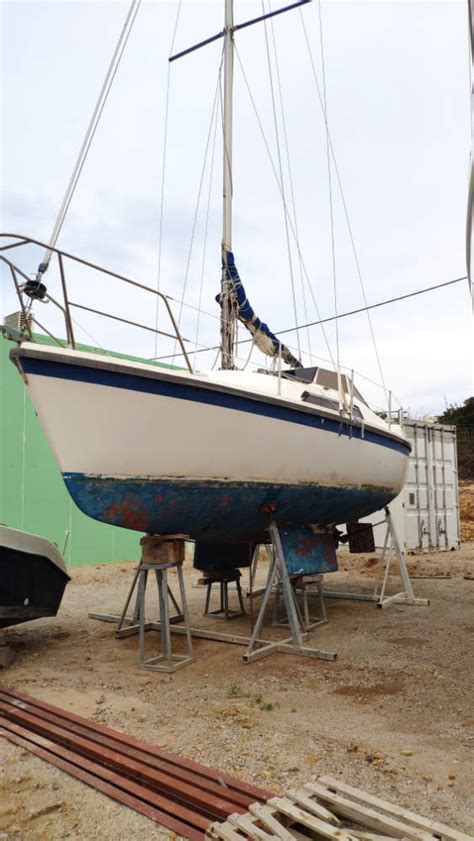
x: 199, y: 394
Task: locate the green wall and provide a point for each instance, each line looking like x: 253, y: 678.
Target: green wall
x: 33, y: 496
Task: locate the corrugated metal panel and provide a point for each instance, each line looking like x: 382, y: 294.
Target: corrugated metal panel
x: 426, y: 512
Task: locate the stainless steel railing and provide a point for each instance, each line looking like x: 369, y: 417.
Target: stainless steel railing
x: 27, y: 289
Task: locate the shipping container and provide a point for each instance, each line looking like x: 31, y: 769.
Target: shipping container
x: 426, y: 512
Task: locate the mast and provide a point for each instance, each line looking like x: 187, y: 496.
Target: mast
x: 229, y: 304
x: 227, y: 315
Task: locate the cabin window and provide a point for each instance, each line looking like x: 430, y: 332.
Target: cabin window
x: 324, y: 402
x: 356, y: 413
x: 327, y: 379
x: 304, y: 375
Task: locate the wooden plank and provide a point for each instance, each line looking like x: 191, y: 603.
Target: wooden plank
x: 211, y: 835
x: 266, y: 816
x: 247, y: 823
x: 366, y: 816
x: 434, y: 827
x: 286, y: 807
x: 371, y: 836
x: 302, y: 798
x: 224, y: 832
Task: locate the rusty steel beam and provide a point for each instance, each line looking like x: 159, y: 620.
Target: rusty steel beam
x: 206, y: 804
x: 176, y: 817
x: 173, y: 770
x: 159, y: 764
x: 229, y: 782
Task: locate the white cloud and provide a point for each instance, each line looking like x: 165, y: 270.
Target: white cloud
x: 397, y: 82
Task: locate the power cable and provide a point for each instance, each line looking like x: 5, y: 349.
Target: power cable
x: 374, y: 306
x: 350, y: 312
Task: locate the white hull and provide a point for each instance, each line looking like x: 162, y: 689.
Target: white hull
x: 120, y: 422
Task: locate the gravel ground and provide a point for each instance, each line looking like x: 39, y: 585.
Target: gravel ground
x: 393, y: 714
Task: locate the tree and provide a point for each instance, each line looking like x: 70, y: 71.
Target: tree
x: 462, y: 417
x: 459, y: 415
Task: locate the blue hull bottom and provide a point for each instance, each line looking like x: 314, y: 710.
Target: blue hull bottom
x: 217, y: 510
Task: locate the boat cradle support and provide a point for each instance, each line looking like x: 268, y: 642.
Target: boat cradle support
x: 391, y: 548
x: 257, y: 648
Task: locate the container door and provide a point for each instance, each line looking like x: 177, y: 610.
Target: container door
x: 431, y: 491
x: 447, y: 503
x: 416, y: 490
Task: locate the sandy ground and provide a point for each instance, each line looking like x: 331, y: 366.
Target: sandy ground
x: 394, y: 714
x: 466, y: 509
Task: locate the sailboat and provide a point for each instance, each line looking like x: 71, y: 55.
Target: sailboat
x: 212, y: 455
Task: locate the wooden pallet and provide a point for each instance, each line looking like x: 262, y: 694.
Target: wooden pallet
x: 329, y: 809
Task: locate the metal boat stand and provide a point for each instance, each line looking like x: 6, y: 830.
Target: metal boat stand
x: 305, y: 586
x: 278, y: 575
x: 159, y: 554
x: 390, y: 548
x: 256, y: 647
x: 223, y: 579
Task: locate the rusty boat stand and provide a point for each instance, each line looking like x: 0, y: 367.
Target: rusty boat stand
x: 197, y: 802
x: 162, y: 553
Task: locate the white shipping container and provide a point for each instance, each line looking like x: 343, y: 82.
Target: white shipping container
x: 426, y: 512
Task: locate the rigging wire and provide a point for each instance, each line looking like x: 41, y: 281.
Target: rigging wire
x: 250, y: 353
x: 470, y: 195
x: 90, y: 133
x: 280, y: 169
x: 163, y: 172
x: 206, y: 226
x: 290, y: 177
x: 290, y: 222
x: 331, y: 206
x: 344, y: 205
x: 198, y: 200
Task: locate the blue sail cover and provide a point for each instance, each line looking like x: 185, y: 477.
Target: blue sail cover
x: 265, y: 340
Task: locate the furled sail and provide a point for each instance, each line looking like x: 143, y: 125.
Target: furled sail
x: 265, y: 340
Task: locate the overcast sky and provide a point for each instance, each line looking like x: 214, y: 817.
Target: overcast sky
x: 397, y: 78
